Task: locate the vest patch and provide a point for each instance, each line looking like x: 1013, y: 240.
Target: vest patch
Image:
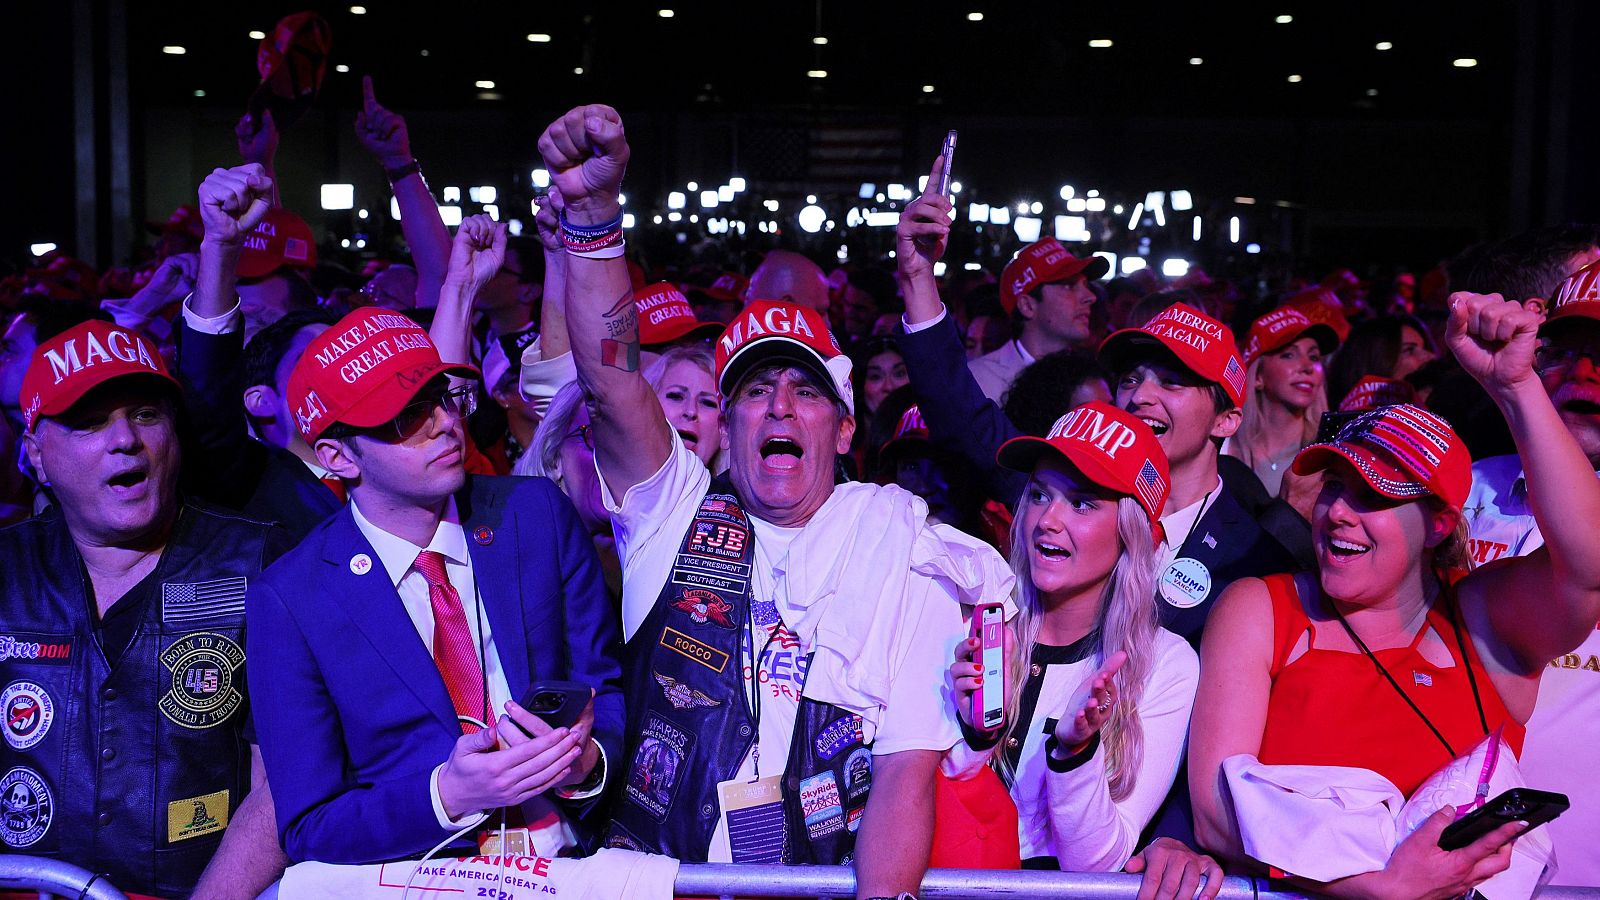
x: 41, y: 648
x: 704, y: 606
x: 196, y: 816
x: 839, y: 734
x: 204, y: 691
x: 658, y: 766
x: 702, y: 653
x: 681, y: 696
x: 26, y: 807
x: 28, y: 711
x: 820, y: 803
x: 187, y: 602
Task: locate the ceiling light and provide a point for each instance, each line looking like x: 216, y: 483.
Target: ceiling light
x: 539, y: 38
x: 257, y: 35
x: 199, y: 93
x: 1372, y: 92
x: 1100, y: 43
x: 41, y: 249
x: 1195, y: 60
x: 1284, y: 20
x: 577, y: 70
x: 1295, y: 79
x: 358, y: 10
x: 665, y: 13
x: 817, y: 73
x: 424, y: 52
x: 490, y: 95
x: 486, y: 85
x: 341, y: 68
x: 1385, y: 45
x: 975, y: 17
x: 927, y: 89
x: 174, y: 50
x: 820, y: 41
x: 1465, y: 62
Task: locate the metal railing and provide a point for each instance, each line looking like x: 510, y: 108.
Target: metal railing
x: 727, y: 881
x: 54, y: 878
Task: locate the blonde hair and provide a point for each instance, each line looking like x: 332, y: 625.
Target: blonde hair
x: 1253, y: 427
x: 1127, y: 622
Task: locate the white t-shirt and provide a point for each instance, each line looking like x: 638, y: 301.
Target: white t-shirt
x: 649, y: 525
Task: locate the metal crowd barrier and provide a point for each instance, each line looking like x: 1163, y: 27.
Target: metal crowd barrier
x: 728, y: 881
x: 54, y: 878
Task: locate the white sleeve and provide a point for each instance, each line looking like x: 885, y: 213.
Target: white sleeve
x: 1094, y: 833
x: 924, y: 325
x: 921, y: 714
x: 443, y: 818
x: 648, y: 523
x: 226, y: 323
x: 541, y: 378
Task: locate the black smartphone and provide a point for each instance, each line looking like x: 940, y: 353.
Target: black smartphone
x: 1515, y: 805
x: 948, y: 151
x: 557, y: 703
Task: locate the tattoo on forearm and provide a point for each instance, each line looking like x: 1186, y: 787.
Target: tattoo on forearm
x: 620, y: 350
x: 622, y: 355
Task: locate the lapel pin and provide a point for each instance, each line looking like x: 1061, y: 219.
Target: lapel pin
x: 360, y: 564
x: 484, y: 535
x: 1210, y: 541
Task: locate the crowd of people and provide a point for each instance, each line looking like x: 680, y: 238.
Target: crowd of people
x: 294, y: 550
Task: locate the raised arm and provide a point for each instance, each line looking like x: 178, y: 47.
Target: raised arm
x: 232, y: 202
x: 1542, y: 605
x: 586, y: 153
x: 475, y: 257
x: 384, y: 135
x: 553, y: 338
x: 920, y: 240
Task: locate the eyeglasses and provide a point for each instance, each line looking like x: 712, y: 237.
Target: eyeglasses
x: 458, y: 402
x: 585, y: 433
x: 1552, y: 357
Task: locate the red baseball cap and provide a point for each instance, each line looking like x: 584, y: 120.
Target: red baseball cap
x: 1108, y: 445
x: 80, y: 359
x: 1043, y: 262
x: 363, y: 371
x: 1321, y: 305
x: 666, y: 316
x: 1373, y: 391
x: 1282, y: 327
x: 1402, y: 451
x: 728, y: 288
x: 769, y: 330
x: 1200, y: 342
x: 911, y: 430
x: 1578, y: 296
x: 281, y: 238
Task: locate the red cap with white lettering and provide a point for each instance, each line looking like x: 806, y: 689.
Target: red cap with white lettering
x: 666, y: 316
x: 363, y: 371
x: 1204, y: 345
x: 1108, y: 445
x: 1578, y: 296
x: 773, y: 331
x: 911, y: 432
x: 1402, y: 451
x: 1042, y: 262
x: 80, y: 359
x: 1282, y: 327
x: 281, y: 238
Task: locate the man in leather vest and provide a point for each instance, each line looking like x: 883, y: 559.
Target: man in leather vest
x: 787, y: 637
x: 128, y: 748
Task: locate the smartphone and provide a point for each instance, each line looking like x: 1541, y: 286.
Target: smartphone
x: 948, y: 151
x: 1515, y: 805
x: 989, y: 701
x: 557, y: 703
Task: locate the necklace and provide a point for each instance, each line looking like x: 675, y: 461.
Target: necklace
x: 1284, y: 459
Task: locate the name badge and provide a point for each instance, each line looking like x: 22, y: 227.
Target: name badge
x: 755, y: 818
x: 1186, y: 583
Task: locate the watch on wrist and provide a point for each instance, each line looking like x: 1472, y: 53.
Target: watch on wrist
x: 411, y: 168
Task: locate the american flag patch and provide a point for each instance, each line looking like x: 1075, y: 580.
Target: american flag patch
x: 296, y: 249
x: 202, y: 599
x: 1149, y: 485
x: 1422, y: 679
x: 1234, y: 375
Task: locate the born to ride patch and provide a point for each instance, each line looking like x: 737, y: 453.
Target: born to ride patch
x: 205, y: 689
x: 196, y: 816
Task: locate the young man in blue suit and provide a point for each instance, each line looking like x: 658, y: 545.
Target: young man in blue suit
x: 395, y: 639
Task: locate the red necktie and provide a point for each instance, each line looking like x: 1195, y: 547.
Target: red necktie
x: 336, y: 485
x: 453, y: 651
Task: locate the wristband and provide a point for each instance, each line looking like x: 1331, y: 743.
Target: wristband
x: 410, y: 168
x: 590, y: 231
x: 603, y: 241
x: 609, y: 252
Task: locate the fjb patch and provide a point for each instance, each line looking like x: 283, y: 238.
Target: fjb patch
x: 29, y: 711
x: 718, y: 540
x: 837, y: 735
x: 191, y: 601
x: 204, y: 689
x: 196, y: 816
x: 26, y: 807
x: 658, y: 767
x: 819, y: 802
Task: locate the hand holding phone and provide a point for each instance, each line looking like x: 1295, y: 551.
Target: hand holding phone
x: 948, y: 151
x: 1516, y: 805
x: 558, y: 704
x: 989, y: 699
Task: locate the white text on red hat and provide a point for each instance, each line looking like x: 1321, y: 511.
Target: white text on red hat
x: 774, y: 320
x: 1091, y: 426
x: 65, y: 361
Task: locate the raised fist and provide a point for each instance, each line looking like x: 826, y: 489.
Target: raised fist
x: 233, y: 201
x: 478, y: 251
x: 587, y: 154
x: 548, y: 221
x: 381, y: 132
x: 257, y: 138
x: 1493, y: 340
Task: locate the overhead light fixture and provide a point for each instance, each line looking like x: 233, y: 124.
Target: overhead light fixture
x: 1076, y: 204
x: 541, y: 178
x: 577, y: 70
x: 538, y: 38
x: 820, y: 41
x: 1197, y: 226
x: 816, y: 73
x: 1284, y: 20
x: 342, y: 68
x: 199, y: 93
x: 1247, y: 201
x: 450, y: 215
x: 1132, y: 264
x: 1182, y: 201
x: 486, y: 85
x: 1233, y: 229
x: 708, y: 199
x: 358, y: 10
x: 174, y: 50
x: 927, y: 89
x: 257, y: 35
x: 338, y: 196
x: 1027, y: 228
x: 737, y: 183
x: 1252, y: 248
x: 665, y: 13
x: 1195, y: 60
x: 1100, y: 43
x: 676, y: 200
x: 41, y: 249
x: 1385, y: 45
x: 1174, y: 268
x: 812, y: 218
x: 1465, y: 62
x: 975, y: 17
x: 1295, y: 79
x: 1095, y: 204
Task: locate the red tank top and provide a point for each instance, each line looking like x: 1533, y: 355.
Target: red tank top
x: 1333, y: 708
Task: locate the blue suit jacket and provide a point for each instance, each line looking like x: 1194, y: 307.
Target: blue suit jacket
x: 350, y: 711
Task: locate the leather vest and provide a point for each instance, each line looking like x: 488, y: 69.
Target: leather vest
x: 131, y: 769
x: 689, y: 727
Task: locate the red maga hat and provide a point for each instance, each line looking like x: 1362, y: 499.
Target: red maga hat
x: 281, y: 238
x: 911, y: 430
x: 1578, y: 296
x: 770, y: 330
x: 80, y: 359
x: 1282, y: 327
x: 363, y: 371
x: 1108, y: 445
x: 1373, y: 391
x: 729, y: 287
x: 1321, y: 305
x: 1200, y: 342
x: 666, y: 316
x: 1402, y: 451
x: 1043, y: 262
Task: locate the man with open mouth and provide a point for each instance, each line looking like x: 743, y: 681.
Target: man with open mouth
x: 121, y: 649
x: 837, y: 603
